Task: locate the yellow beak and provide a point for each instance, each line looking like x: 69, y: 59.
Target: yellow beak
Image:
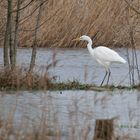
x: 76, y: 39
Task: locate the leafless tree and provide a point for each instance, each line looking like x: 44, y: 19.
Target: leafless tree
x: 33, y: 57
x: 7, y: 38
x: 16, y: 32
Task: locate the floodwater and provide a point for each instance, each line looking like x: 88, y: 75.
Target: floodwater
x: 74, y: 112
x: 78, y: 110
x: 77, y: 64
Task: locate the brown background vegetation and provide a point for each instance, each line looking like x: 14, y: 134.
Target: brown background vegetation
x: 63, y: 20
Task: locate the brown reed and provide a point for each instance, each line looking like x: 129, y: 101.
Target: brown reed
x: 63, y: 20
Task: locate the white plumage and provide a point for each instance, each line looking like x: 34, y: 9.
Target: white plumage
x: 103, y: 55
x: 106, y: 56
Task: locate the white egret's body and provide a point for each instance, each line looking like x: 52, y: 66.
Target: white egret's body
x: 106, y: 56
x: 103, y: 55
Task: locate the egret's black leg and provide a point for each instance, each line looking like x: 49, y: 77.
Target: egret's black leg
x: 104, y: 78
x: 109, y: 72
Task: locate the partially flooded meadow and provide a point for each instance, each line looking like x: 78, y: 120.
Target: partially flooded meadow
x: 50, y: 86
x: 70, y: 114
x: 76, y: 64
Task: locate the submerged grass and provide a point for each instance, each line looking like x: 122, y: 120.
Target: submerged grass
x: 28, y: 127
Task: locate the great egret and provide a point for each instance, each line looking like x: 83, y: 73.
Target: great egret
x: 103, y: 56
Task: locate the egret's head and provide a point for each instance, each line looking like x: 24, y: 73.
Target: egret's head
x: 83, y: 37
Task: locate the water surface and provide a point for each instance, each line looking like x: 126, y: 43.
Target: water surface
x: 76, y: 110
x: 77, y: 64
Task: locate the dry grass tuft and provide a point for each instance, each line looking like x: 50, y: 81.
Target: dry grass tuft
x: 22, y: 78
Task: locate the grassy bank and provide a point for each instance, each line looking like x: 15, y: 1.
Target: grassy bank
x: 23, y: 79
x: 63, y: 20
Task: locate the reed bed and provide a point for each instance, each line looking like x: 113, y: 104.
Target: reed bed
x: 63, y: 20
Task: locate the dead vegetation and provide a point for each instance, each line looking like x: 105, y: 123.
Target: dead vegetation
x: 22, y: 78
x: 63, y: 20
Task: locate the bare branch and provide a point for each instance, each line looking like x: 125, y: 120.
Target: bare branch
x: 132, y: 7
x: 23, y: 7
x: 26, y: 18
x: 31, y: 30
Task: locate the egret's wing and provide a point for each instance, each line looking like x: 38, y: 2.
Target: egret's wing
x: 105, y: 54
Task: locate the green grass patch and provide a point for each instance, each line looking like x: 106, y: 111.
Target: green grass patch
x: 76, y: 85
x: 129, y: 126
x: 70, y: 85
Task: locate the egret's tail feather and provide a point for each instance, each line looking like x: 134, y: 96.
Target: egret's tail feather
x: 122, y: 60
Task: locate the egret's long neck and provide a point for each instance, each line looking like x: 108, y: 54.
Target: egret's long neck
x: 89, y: 45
